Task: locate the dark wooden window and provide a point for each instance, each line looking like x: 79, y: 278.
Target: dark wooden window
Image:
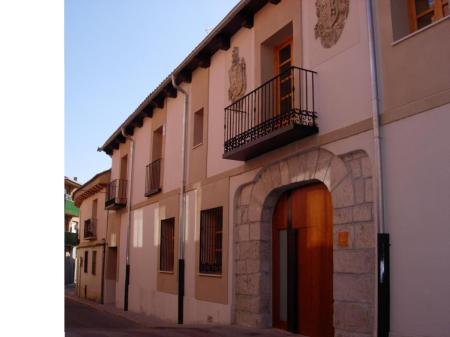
x: 94, y: 261
x: 166, y: 254
x: 86, y: 255
x: 211, y: 241
x: 198, y: 128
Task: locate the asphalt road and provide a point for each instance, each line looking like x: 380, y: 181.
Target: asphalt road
x: 82, y: 320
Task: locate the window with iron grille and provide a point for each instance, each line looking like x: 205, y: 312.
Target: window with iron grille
x: 86, y: 261
x: 211, y: 241
x: 94, y: 261
x: 166, y: 255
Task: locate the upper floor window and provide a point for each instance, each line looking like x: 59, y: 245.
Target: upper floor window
x: 211, y: 241
x: 166, y: 254
x: 94, y: 262
x: 198, y: 128
x: 424, y: 12
x: 409, y: 16
x: 86, y: 255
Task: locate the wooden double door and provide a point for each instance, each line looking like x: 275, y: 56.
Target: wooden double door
x: 303, y: 262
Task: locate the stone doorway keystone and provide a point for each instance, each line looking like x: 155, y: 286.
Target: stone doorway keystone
x: 349, y: 179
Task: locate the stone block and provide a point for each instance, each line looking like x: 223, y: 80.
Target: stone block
x: 362, y: 212
x: 323, y: 164
x: 341, y: 333
x: 359, y: 187
x: 355, y: 166
x: 245, y: 194
x: 311, y: 164
x: 254, y: 213
x: 366, y: 167
x: 353, y: 287
x: 254, y: 283
x: 274, y: 171
x: 364, y: 235
x: 253, y: 266
x: 296, y: 168
x: 368, y: 190
x: 259, y: 194
x: 243, y: 233
x: 337, y: 172
x: 248, y: 303
x: 343, y: 194
x: 284, y: 173
x: 354, y: 317
x: 250, y: 319
x: 241, y: 267
x: 353, y: 261
x: 248, y: 250
x: 242, y: 284
x: 342, y: 215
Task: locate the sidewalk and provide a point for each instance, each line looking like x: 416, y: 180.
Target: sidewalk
x: 153, y: 322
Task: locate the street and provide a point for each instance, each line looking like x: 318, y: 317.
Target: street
x: 82, y: 320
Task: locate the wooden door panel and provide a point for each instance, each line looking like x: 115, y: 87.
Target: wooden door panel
x: 310, y: 214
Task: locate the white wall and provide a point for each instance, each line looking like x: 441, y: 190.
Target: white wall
x: 417, y: 205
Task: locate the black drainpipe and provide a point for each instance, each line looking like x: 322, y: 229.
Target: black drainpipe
x: 180, y: 290
x: 383, y: 285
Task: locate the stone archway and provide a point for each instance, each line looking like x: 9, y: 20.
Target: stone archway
x: 348, y: 178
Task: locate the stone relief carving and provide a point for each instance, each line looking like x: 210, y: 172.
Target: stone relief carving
x: 331, y: 16
x: 238, y: 80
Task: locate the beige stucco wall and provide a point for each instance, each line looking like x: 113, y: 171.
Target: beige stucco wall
x: 86, y: 213
x: 417, y: 181
x: 198, y: 99
x: 88, y: 285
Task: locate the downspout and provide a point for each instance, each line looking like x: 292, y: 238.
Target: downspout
x: 130, y: 191
x: 383, y: 282
x: 104, y: 259
x: 182, y: 222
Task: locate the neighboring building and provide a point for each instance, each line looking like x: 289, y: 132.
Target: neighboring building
x: 71, y: 221
x: 97, y: 250
x: 278, y: 219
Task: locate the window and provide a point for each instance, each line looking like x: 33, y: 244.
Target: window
x: 94, y: 261
x: 211, y: 241
x: 166, y: 254
x: 424, y: 12
x: 86, y: 255
x: 198, y: 128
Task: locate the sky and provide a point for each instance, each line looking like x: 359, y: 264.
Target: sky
x: 115, y: 53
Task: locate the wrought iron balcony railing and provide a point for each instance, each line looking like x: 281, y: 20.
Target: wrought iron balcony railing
x: 90, y: 228
x: 116, y: 194
x: 153, y: 178
x: 276, y: 113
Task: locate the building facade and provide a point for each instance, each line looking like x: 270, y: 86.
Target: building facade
x: 97, y: 250
x: 71, y: 221
x: 292, y: 172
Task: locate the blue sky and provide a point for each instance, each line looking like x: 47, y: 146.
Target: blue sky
x: 116, y: 53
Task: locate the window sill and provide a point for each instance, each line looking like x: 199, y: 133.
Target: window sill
x: 407, y: 37
x: 197, y: 145
x: 210, y: 275
x: 166, y: 272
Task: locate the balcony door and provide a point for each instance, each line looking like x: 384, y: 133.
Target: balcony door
x: 282, y: 63
x: 303, y: 262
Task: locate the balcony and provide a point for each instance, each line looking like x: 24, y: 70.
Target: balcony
x: 70, y: 239
x: 275, y: 114
x: 116, y: 194
x: 153, y: 178
x: 90, y: 229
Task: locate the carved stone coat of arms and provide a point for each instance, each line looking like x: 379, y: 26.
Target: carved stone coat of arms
x: 331, y: 16
x: 238, y: 80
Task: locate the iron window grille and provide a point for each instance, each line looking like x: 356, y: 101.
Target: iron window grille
x: 166, y: 254
x: 211, y: 225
